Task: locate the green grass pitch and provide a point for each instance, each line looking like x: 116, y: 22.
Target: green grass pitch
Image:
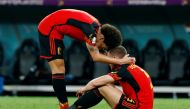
x: 51, y: 103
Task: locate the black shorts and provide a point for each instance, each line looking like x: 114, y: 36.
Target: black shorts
x: 51, y: 48
x: 126, y: 103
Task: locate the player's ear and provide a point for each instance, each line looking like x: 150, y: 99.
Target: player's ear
x: 101, y: 36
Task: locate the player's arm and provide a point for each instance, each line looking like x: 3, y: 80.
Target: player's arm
x: 98, y: 57
x: 97, y: 82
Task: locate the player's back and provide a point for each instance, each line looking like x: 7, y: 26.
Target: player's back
x: 138, y: 86
x: 61, y: 17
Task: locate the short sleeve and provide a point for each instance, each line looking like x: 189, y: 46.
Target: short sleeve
x: 115, y: 76
x: 122, y: 74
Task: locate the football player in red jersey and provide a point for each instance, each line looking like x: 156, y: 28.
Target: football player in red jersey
x: 82, y: 26
x: 136, y: 84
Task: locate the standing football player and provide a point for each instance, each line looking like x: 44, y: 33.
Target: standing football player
x: 82, y: 26
x: 135, y: 82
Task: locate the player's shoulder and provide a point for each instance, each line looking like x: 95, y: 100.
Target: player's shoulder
x: 132, y: 66
x: 135, y: 68
x: 129, y: 66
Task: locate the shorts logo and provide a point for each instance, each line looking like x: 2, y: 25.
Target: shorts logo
x: 59, y: 50
x: 130, y: 101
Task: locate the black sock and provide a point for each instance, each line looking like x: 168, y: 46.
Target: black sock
x: 88, y: 100
x: 59, y: 87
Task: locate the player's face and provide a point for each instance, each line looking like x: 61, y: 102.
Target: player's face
x: 100, y: 41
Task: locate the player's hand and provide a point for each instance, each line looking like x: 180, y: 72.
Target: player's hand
x: 80, y: 92
x: 129, y: 60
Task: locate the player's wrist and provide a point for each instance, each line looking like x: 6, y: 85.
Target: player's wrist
x: 84, y: 89
x: 121, y: 61
x: 128, y: 60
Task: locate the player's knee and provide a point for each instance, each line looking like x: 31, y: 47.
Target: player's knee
x: 110, y: 85
x: 57, y: 66
x: 104, y: 89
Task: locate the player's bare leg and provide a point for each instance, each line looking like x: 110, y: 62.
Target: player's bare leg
x: 57, y: 66
x: 111, y: 94
x: 58, y: 72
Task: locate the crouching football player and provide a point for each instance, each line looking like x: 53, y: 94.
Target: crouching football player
x: 135, y: 82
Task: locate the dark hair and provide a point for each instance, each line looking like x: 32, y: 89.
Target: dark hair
x: 112, y: 36
x: 119, y: 51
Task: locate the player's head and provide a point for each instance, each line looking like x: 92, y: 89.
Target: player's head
x: 117, y: 52
x: 108, y: 37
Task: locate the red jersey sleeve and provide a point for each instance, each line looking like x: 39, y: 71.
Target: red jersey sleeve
x: 114, y: 76
x: 120, y: 74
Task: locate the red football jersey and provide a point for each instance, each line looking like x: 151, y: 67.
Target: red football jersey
x: 136, y: 84
x: 77, y: 24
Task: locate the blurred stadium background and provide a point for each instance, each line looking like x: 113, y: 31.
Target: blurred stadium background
x: 156, y: 32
